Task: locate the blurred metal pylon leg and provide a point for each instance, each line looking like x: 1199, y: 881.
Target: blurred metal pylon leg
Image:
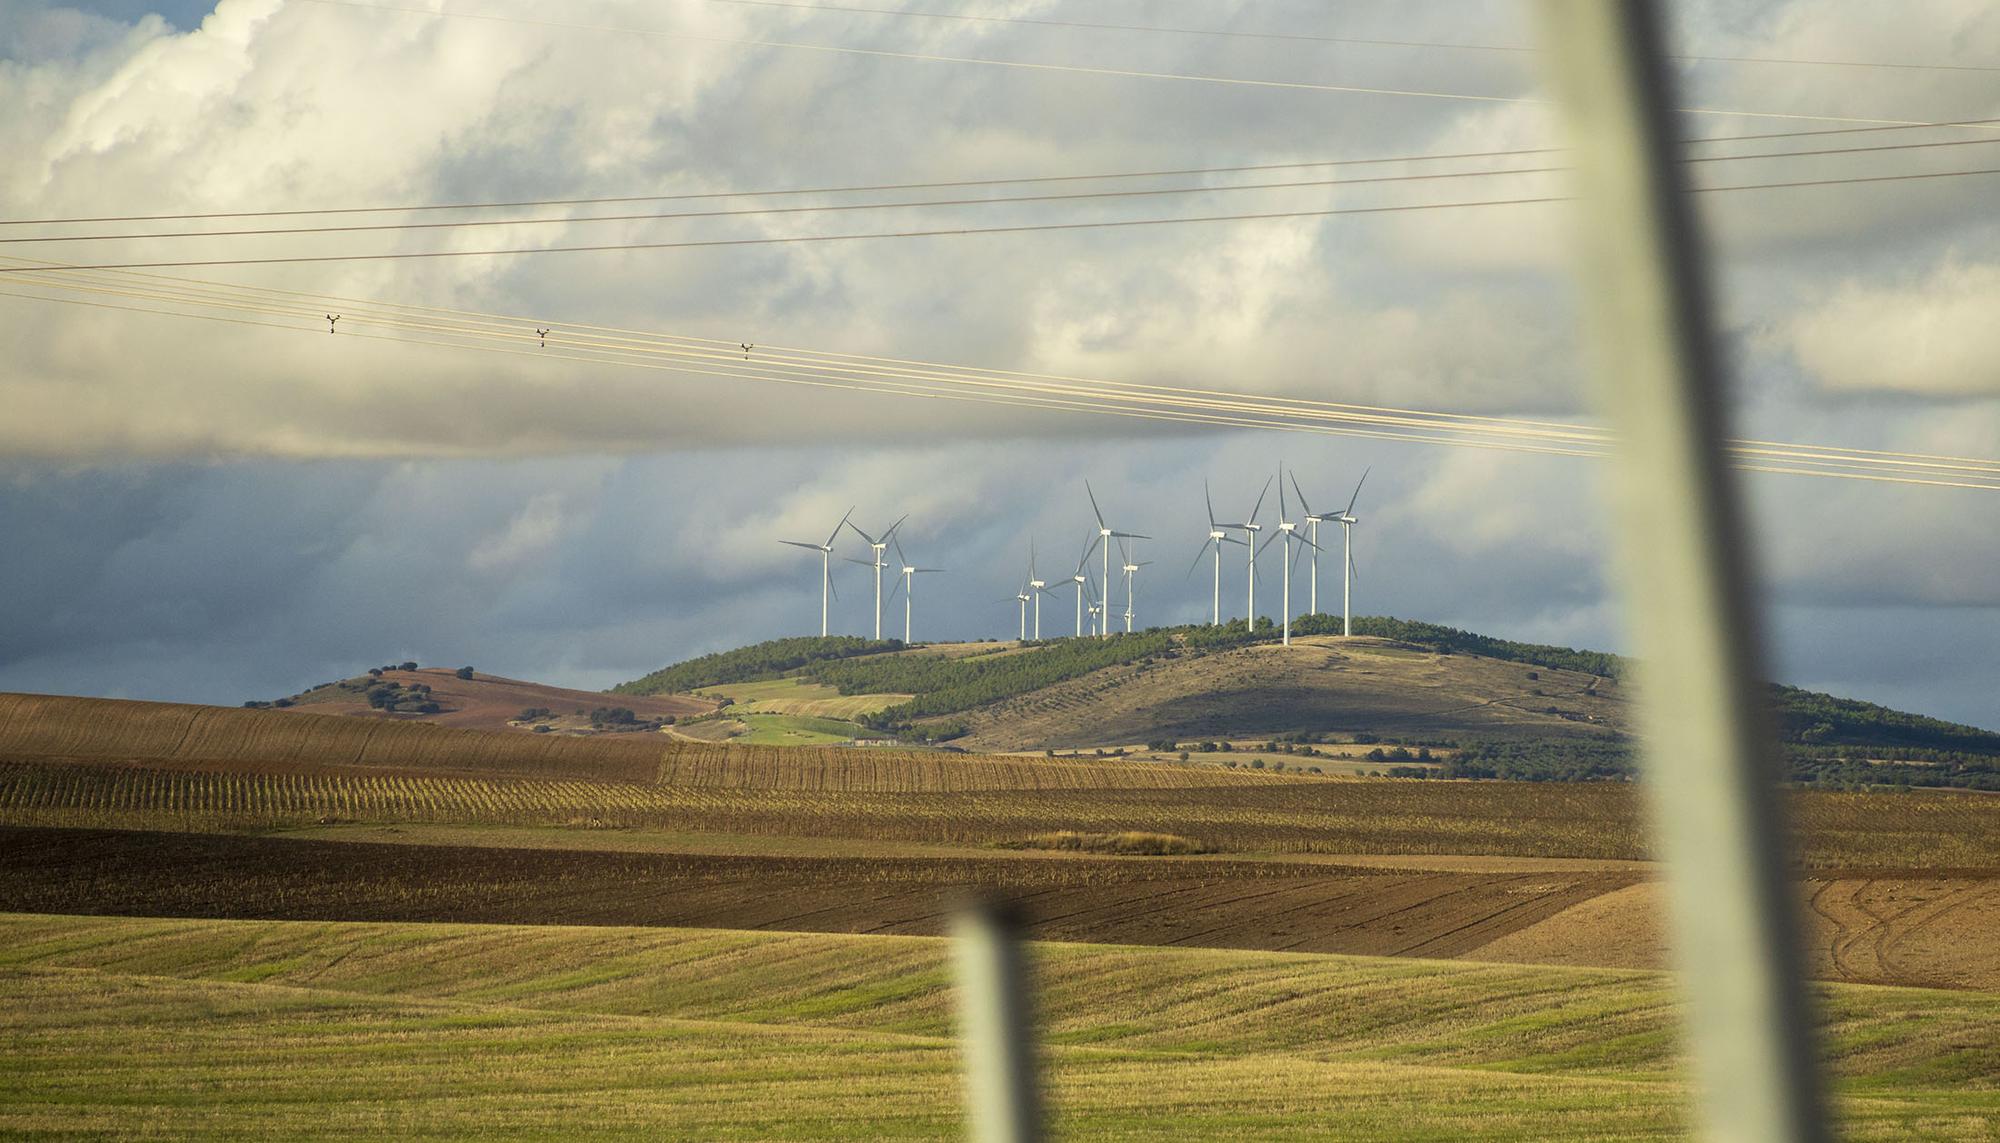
x: 1711, y: 766
x: 1002, y: 1100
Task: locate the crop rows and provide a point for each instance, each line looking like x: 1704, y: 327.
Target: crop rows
x: 1939, y: 831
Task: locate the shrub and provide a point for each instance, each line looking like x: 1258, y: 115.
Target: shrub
x: 1131, y: 842
x: 407, y: 665
x: 463, y: 672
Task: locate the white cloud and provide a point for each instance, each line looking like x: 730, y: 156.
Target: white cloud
x: 1937, y: 335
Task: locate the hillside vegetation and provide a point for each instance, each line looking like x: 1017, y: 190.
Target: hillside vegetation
x: 494, y: 1032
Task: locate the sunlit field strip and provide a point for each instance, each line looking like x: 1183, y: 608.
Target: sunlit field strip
x: 222, y: 1029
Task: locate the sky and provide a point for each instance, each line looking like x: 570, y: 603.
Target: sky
x: 214, y: 512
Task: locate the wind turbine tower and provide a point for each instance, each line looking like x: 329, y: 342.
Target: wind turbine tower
x: 1312, y: 536
x: 1130, y: 569
x: 906, y: 585
x: 878, y: 564
x: 1105, y: 534
x: 1250, y: 528
x: 1216, y: 538
x: 1347, y: 522
x: 1038, y: 586
x: 825, y: 551
x: 1287, y: 531
x: 1082, y: 579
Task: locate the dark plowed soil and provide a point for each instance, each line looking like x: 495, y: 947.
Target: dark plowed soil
x: 1154, y: 901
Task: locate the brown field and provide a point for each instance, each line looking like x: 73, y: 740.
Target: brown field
x: 1317, y: 683
x: 58, y: 727
x: 490, y: 702
x: 1904, y: 930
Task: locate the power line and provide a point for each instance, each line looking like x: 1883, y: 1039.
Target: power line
x: 960, y: 231
x: 1029, y: 65
x: 712, y: 357
x: 1028, y: 179
x: 1229, y: 33
x: 1143, y: 192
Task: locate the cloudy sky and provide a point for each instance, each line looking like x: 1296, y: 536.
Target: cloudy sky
x: 213, y: 511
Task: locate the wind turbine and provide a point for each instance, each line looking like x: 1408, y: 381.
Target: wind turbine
x: 1250, y: 528
x: 904, y: 585
x: 878, y: 564
x: 1021, y: 597
x: 1347, y: 522
x: 1104, y: 537
x: 1216, y: 538
x: 1130, y: 568
x: 1082, y: 579
x: 1312, y: 526
x: 825, y: 567
x: 1287, y: 531
x: 1039, y: 587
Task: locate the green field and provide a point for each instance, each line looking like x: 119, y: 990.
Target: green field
x: 799, y: 696
x: 234, y: 1029
x: 794, y: 730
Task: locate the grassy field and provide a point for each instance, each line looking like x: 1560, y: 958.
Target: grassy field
x: 794, y: 730
x: 799, y: 696
x: 211, y: 1029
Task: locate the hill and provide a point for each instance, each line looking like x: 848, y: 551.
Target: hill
x: 448, y: 697
x: 1490, y: 707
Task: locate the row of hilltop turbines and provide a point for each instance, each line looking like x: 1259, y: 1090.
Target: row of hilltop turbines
x: 1093, y: 597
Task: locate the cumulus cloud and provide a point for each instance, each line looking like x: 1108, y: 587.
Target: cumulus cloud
x: 1934, y: 335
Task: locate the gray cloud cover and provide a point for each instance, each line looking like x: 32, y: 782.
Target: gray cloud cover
x: 219, y: 512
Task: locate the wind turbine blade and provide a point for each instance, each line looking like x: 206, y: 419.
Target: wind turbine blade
x: 1031, y: 560
x: 852, y: 560
x: 1351, y: 569
x: 1198, y: 557
x: 1300, y: 551
x: 902, y: 561
x: 1131, y: 536
x: 1233, y: 540
x: 803, y: 544
x: 893, y: 527
x: 1302, y: 495
x: 1268, y: 540
x: 1094, y: 509
x: 831, y: 590
x: 929, y: 569
x: 837, y: 528
x: 857, y: 531
x: 1087, y: 553
x: 1209, y: 498
x: 1357, y: 489
x: 1284, y: 512
x: 1260, y: 502
x: 892, y: 591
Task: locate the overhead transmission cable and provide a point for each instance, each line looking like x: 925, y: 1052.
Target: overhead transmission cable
x: 713, y: 357
x: 612, y: 200
x: 1037, y: 66
x: 959, y: 231
x: 823, y: 208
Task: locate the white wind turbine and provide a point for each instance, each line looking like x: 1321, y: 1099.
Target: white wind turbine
x: 1250, y: 528
x: 1130, y: 569
x: 825, y: 567
x: 1216, y: 538
x: 1022, y: 597
x: 1082, y: 579
x: 1039, y: 587
x: 1287, y: 531
x: 1312, y: 534
x: 905, y: 585
x: 878, y: 564
x: 1105, y: 533
x: 1347, y: 522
